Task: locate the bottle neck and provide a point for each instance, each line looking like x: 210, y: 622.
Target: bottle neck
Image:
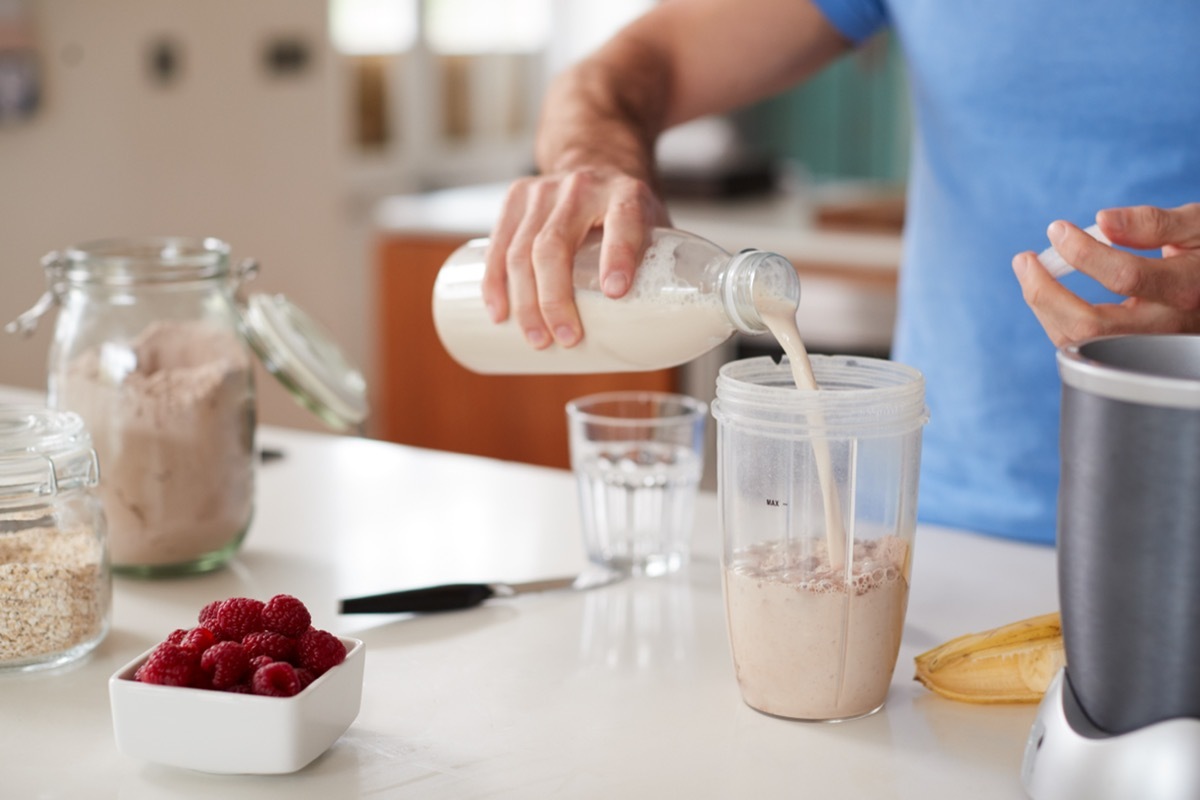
x: 758, y: 283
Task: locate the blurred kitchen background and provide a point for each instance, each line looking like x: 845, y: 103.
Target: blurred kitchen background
x: 349, y: 145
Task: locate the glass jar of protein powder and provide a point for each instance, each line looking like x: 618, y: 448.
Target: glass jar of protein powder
x: 154, y: 350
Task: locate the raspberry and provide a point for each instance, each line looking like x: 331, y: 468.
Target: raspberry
x: 176, y: 636
x: 237, y: 617
x: 269, y: 643
x: 258, y: 662
x: 209, y: 613
x: 276, y: 680
x: 240, y: 688
x: 306, y: 677
x: 226, y: 662
x: 169, y: 665
x: 319, y: 651
x: 197, y: 640
x: 286, y: 615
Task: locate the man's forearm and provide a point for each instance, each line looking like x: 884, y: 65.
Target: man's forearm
x: 606, y: 111
x: 679, y: 61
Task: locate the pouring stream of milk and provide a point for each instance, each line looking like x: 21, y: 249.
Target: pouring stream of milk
x: 779, y: 314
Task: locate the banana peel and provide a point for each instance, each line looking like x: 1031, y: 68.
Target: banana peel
x: 1010, y: 664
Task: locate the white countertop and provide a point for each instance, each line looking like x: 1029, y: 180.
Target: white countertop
x: 624, y: 691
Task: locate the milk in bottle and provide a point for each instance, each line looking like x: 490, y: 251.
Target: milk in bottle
x: 688, y: 296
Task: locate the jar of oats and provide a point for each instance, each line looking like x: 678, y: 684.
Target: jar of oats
x: 154, y: 348
x: 55, y: 586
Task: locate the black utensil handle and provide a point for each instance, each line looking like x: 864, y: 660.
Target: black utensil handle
x: 447, y: 597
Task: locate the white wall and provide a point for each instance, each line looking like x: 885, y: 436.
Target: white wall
x: 228, y: 150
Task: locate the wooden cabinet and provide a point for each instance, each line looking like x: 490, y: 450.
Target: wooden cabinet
x: 423, y: 397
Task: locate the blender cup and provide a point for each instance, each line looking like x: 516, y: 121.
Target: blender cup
x: 818, y: 496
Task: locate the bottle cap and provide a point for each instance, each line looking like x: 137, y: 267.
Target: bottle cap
x: 755, y: 276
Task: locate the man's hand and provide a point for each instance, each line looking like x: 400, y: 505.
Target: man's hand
x: 1163, y: 294
x: 542, y: 223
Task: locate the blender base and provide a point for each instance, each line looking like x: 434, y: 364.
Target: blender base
x: 1069, y: 758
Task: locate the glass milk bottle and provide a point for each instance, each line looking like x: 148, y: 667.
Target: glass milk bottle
x: 688, y: 296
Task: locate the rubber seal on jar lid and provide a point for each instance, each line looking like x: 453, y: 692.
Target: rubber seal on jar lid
x: 304, y: 358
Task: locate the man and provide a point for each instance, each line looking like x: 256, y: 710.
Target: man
x: 1026, y: 113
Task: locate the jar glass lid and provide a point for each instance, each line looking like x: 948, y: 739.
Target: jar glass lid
x: 304, y: 358
x: 43, y: 452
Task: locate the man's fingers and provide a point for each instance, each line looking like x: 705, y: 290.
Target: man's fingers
x: 1140, y: 316
x: 632, y: 211
x: 495, y: 273
x: 1150, y: 227
x: 1066, y: 317
x: 575, y: 214
x: 522, y: 281
x: 1173, y: 281
x: 553, y: 267
x: 529, y: 272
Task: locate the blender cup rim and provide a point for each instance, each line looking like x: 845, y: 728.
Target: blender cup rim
x: 861, y: 397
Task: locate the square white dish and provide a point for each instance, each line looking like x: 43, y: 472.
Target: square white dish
x: 229, y: 733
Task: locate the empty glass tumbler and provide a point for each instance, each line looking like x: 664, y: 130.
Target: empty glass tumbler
x: 638, y: 458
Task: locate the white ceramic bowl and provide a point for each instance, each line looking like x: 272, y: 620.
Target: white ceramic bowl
x: 232, y: 733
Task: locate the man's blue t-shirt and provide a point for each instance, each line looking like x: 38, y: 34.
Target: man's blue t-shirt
x: 1025, y: 111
